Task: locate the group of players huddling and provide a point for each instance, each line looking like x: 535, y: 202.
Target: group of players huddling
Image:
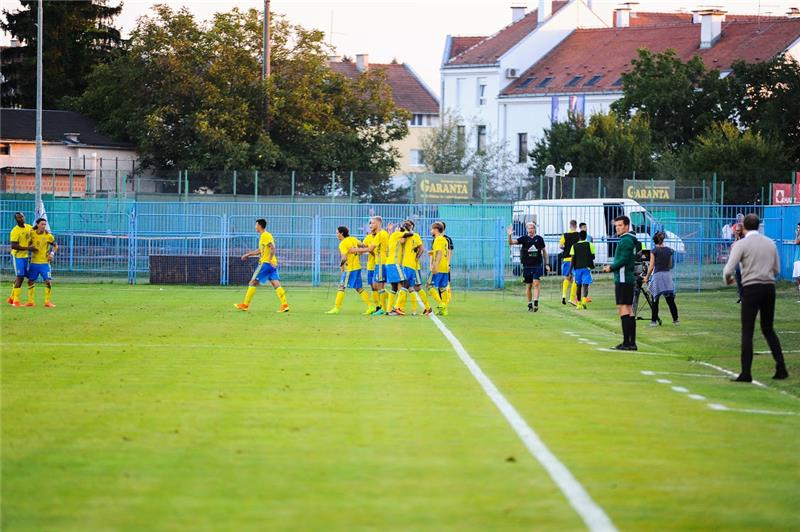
x: 32, y: 249
x: 394, y: 257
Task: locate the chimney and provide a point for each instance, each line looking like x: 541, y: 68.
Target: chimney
x: 710, y: 27
x: 545, y: 10
x: 14, y: 42
x: 362, y: 62
x: 622, y: 17
x: 334, y: 58
x: 793, y: 12
x: 517, y: 12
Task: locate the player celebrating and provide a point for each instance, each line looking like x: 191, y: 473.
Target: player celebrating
x: 394, y: 273
x: 40, y: 262
x: 440, y: 267
x: 267, y: 268
x: 582, y: 254
x: 350, y: 249
x: 375, y: 245
x: 21, y: 246
x: 533, y: 256
x: 413, y: 248
x: 568, y: 239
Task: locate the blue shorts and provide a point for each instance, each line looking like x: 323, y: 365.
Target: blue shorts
x: 412, y: 274
x: 394, y: 274
x: 380, y: 273
x: 37, y: 270
x: 370, y: 277
x: 440, y: 280
x: 566, y: 268
x: 532, y: 273
x: 20, y: 266
x: 265, y: 272
x: 583, y: 276
x: 350, y: 279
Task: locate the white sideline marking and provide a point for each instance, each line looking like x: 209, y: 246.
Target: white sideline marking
x: 680, y: 389
x: 663, y: 381
x: 591, y: 343
x: 649, y: 373
x: 696, y: 397
x: 723, y: 408
x: 648, y: 353
x: 729, y: 372
x: 583, y: 339
x: 770, y: 352
x: 592, y: 514
x: 215, y: 346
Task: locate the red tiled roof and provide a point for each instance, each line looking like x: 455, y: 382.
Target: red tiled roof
x: 607, y: 52
x: 489, y: 50
x: 645, y: 18
x: 408, y: 91
x: 459, y: 44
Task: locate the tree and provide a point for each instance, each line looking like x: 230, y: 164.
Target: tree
x: 766, y: 98
x: 679, y: 99
x: 190, y: 96
x: 77, y: 36
x: 746, y: 160
x: 559, y: 144
x: 444, y: 148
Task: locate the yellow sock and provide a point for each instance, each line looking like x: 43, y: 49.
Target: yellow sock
x: 390, y: 300
x: 15, y: 294
x: 424, y: 298
x: 449, y: 293
x: 413, y: 301
x: 436, y: 297
x: 248, y: 296
x: 376, y: 298
x: 281, y: 293
x: 384, y: 296
x: 564, y: 288
x: 31, y: 293
x: 446, y: 295
x: 573, y: 295
x: 365, y: 298
x: 339, y: 299
x: 12, y: 291
x: 47, y: 291
x: 401, y: 299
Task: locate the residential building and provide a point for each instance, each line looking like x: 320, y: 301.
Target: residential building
x: 409, y: 93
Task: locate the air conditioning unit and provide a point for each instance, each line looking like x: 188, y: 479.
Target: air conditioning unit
x: 512, y: 73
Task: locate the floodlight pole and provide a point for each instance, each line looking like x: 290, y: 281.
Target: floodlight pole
x: 265, y: 58
x: 39, y: 33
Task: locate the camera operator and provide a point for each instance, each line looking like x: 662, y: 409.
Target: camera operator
x: 659, y: 275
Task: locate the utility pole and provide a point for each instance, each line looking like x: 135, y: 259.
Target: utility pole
x: 39, y: 207
x: 265, y: 59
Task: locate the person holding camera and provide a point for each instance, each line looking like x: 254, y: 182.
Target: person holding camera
x: 659, y: 279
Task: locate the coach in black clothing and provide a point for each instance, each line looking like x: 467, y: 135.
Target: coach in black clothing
x: 757, y: 257
x: 533, y: 256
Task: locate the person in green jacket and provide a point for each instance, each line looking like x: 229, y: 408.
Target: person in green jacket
x: 625, y: 280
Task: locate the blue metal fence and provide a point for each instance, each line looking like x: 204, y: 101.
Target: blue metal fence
x: 118, y: 238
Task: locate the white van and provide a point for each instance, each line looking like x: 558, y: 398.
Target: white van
x: 552, y: 219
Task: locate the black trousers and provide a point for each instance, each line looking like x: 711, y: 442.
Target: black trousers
x: 759, y: 298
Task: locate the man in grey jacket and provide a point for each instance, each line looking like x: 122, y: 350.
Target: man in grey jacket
x: 757, y: 257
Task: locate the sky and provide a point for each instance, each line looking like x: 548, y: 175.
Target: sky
x: 411, y: 31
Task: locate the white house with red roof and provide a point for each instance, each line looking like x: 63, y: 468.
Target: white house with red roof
x: 410, y: 93
x: 565, y: 56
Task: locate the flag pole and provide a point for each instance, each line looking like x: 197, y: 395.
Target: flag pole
x: 39, y: 36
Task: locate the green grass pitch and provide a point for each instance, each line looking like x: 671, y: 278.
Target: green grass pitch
x: 147, y: 408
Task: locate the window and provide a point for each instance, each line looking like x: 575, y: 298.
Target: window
x: 481, y: 91
x: 522, y: 147
x: 525, y: 83
x: 481, y: 139
x: 593, y: 81
x: 545, y: 82
x: 420, y: 120
x: 617, y: 83
x: 5, y: 148
x: 461, y: 135
x: 460, y: 84
x: 574, y: 81
x: 417, y: 158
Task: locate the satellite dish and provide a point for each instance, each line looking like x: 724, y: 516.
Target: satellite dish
x: 568, y: 167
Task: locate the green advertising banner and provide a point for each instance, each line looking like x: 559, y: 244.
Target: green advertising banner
x: 653, y: 190
x: 438, y: 187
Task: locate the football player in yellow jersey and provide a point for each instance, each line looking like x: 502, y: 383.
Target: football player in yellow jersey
x: 413, y: 248
x: 375, y: 244
x: 350, y: 249
x: 440, y: 267
x: 394, y: 270
x: 40, y: 262
x: 267, y: 268
x: 21, y: 246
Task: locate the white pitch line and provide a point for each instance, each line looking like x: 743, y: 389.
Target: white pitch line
x: 648, y: 353
x: 723, y: 408
x: 592, y: 514
x: 680, y: 389
x: 696, y: 397
x: 649, y: 373
x: 216, y: 346
x: 663, y: 381
x: 729, y: 372
x: 770, y: 352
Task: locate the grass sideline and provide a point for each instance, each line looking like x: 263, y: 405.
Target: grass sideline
x: 162, y: 408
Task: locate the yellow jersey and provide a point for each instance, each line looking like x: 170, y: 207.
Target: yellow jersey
x: 440, y: 244
x: 381, y: 241
x: 368, y: 241
x: 410, y: 259
x: 22, y: 236
x: 263, y: 247
x: 42, y: 244
x: 393, y: 248
x: 353, y: 262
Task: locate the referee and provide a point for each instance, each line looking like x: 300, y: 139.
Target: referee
x: 624, y: 280
x: 533, y: 256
